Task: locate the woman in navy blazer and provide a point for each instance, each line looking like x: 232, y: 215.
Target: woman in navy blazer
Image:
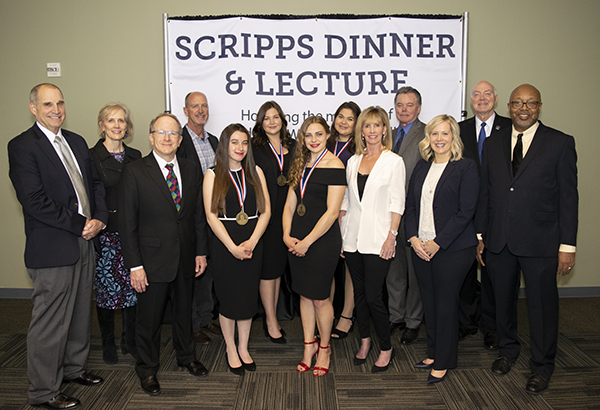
x: 440, y: 205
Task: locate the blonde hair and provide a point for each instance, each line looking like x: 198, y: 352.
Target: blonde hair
x: 456, y: 147
x: 111, y: 108
x: 373, y: 114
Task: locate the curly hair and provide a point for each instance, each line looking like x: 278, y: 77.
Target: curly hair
x: 302, y: 154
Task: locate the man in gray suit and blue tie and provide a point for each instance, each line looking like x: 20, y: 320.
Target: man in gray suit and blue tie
x: 404, y: 296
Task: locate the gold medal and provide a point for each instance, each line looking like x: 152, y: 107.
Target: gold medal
x: 241, y: 218
x: 281, y: 180
x: 301, y: 209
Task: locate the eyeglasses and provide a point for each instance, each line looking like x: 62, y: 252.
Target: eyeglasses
x: 532, y: 105
x: 163, y: 133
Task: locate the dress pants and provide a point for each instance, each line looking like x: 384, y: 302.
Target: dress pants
x: 440, y: 280
x: 368, y: 274
x: 58, y: 340
x: 478, y: 311
x: 150, y: 310
x: 203, y: 302
x: 539, y: 275
x: 404, y: 297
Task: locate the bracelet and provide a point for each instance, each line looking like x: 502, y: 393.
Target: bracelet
x: 411, y: 244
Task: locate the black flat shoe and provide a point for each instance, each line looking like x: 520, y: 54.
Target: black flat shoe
x: 409, y: 336
x: 239, y: 371
x: 377, y: 369
x: 432, y: 379
x: 490, y: 341
x: 150, y: 385
x: 86, y: 379
x: 60, y: 401
x: 423, y: 365
x: 340, y: 334
x: 196, y: 368
x: 249, y: 367
x: 502, y: 365
x: 536, y: 384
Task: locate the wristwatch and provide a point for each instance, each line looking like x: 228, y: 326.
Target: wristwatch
x: 395, y: 233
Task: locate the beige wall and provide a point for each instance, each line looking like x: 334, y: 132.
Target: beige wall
x: 112, y: 50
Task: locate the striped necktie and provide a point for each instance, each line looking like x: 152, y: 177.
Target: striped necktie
x: 75, y: 176
x: 173, y: 187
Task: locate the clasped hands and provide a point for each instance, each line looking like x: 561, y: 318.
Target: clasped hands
x: 243, y: 250
x: 296, y: 246
x: 91, y: 228
x: 426, y: 250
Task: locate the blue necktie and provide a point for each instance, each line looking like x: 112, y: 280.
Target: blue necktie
x: 399, y: 142
x: 482, y: 137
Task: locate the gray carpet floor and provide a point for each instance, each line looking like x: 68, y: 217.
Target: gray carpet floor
x: 277, y: 385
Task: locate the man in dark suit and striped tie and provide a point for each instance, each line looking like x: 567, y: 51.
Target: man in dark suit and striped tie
x: 164, y: 239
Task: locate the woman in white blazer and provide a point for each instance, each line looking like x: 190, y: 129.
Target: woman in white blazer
x: 370, y: 216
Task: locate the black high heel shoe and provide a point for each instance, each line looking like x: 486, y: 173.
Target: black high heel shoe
x: 377, y: 369
x: 340, y: 334
x: 279, y: 340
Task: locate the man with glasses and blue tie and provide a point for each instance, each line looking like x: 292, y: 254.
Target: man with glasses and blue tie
x: 404, y: 295
x: 164, y: 239
x: 479, y: 312
x: 63, y: 207
x: 527, y: 217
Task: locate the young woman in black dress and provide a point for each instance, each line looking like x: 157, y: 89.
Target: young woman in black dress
x: 311, y: 232
x: 273, y: 149
x: 238, y: 211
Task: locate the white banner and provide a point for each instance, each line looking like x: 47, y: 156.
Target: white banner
x: 311, y: 66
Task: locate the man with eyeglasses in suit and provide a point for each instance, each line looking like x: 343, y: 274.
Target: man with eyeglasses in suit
x: 527, y: 216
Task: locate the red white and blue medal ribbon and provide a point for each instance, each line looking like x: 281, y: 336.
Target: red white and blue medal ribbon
x: 304, y: 181
x: 240, y: 188
x: 278, y: 156
x: 337, y: 154
x: 281, y: 179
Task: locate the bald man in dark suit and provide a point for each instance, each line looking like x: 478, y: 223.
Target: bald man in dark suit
x: 527, y: 216
x: 477, y: 311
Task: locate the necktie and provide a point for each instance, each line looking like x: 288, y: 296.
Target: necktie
x: 173, y: 186
x: 482, y: 137
x: 517, y: 155
x: 75, y: 176
x: 396, y: 148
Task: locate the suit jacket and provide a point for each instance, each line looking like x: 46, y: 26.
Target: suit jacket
x: 367, y: 222
x: 48, y: 198
x: 153, y: 233
x: 188, y: 151
x: 454, y: 204
x: 409, y: 150
x: 109, y: 172
x: 468, y: 135
x: 537, y: 210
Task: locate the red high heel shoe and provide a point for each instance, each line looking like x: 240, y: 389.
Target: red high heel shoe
x: 303, y: 366
x: 325, y: 370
